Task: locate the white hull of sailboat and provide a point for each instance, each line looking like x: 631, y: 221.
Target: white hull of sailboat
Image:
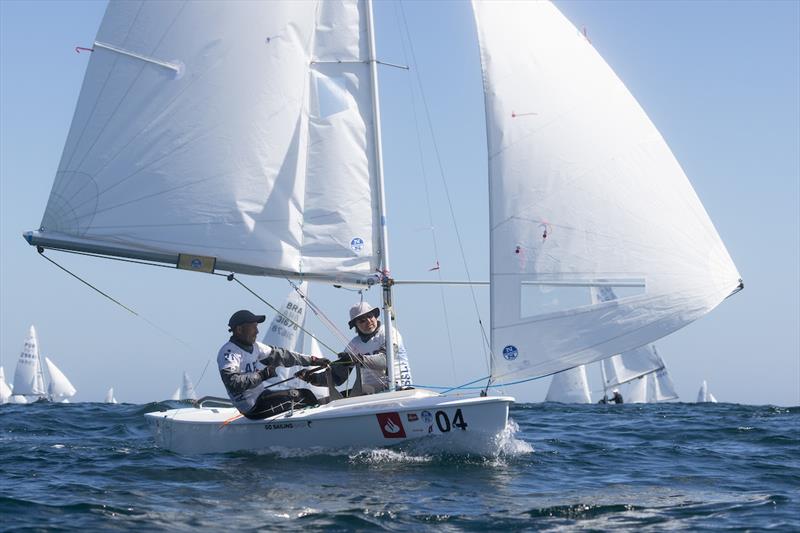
x: 380, y: 420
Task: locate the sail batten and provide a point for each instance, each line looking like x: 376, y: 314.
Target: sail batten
x: 581, y: 185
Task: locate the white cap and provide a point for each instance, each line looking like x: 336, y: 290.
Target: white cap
x: 360, y: 309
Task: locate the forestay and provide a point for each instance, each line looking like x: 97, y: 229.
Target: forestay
x: 235, y: 135
x: 583, y: 192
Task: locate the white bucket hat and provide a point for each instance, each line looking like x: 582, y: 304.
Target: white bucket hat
x: 360, y: 309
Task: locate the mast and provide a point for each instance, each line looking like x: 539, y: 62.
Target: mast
x: 386, y: 281
x: 603, y: 374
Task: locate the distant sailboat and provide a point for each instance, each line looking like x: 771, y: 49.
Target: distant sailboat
x: 186, y: 390
x: 28, y: 376
x: 5, y: 390
x: 110, y: 396
x: 703, y: 396
x: 569, y: 386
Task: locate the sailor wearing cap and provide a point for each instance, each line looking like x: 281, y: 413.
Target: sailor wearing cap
x: 244, y: 364
x: 369, y: 347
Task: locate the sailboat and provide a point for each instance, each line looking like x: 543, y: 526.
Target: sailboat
x: 5, y: 390
x: 29, y: 378
x: 642, y: 369
x: 281, y: 174
x: 703, y: 395
x: 186, y: 390
x: 110, y: 396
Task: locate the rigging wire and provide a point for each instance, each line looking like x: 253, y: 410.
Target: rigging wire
x: 134, y: 313
x: 486, y: 343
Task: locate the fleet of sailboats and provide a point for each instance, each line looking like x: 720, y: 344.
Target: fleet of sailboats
x: 281, y: 175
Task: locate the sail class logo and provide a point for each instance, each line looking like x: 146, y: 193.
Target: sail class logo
x: 357, y: 244
x: 510, y: 353
x: 391, y: 425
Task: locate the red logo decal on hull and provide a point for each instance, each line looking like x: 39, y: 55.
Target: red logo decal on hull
x: 391, y: 425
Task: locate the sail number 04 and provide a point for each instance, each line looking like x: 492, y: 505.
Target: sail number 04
x: 444, y: 424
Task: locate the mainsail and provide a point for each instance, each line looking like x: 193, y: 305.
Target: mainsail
x: 227, y: 135
x: 28, y: 377
x: 59, y: 388
x: 110, y: 396
x: 584, y: 192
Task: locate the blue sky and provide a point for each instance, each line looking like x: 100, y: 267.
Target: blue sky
x: 721, y: 81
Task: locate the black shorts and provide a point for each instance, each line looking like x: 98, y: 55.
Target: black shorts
x: 270, y: 403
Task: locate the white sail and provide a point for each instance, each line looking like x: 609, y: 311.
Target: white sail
x: 569, y: 386
x: 630, y: 365
x: 660, y: 387
x: 703, y: 396
x: 28, y: 378
x: 110, y: 396
x: 229, y: 134
x: 284, y: 332
x: 314, y: 348
x: 637, y: 390
x: 187, y: 388
x: 583, y: 192
x: 59, y: 388
x: 5, y: 390
x: 176, y: 395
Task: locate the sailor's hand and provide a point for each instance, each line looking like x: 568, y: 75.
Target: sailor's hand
x: 305, y: 375
x: 267, y: 372
x: 345, y: 358
x: 320, y: 361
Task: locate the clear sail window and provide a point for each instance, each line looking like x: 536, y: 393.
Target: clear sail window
x: 542, y: 297
x: 331, y: 95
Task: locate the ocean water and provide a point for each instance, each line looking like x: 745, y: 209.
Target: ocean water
x: 630, y: 467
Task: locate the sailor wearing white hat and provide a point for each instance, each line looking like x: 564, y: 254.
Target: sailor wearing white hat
x: 369, y: 345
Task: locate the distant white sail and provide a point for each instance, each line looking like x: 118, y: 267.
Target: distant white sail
x: 176, y: 395
x: 28, y: 377
x: 241, y: 138
x: 660, y: 387
x: 110, y: 396
x: 637, y: 391
x: 569, y: 386
x: 703, y: 396
x: 583, y: 192
x: 5, y: 390
x: 284, y: 332
x: 59, y: 388
x: 630, y: 365
x: 187, y: 388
